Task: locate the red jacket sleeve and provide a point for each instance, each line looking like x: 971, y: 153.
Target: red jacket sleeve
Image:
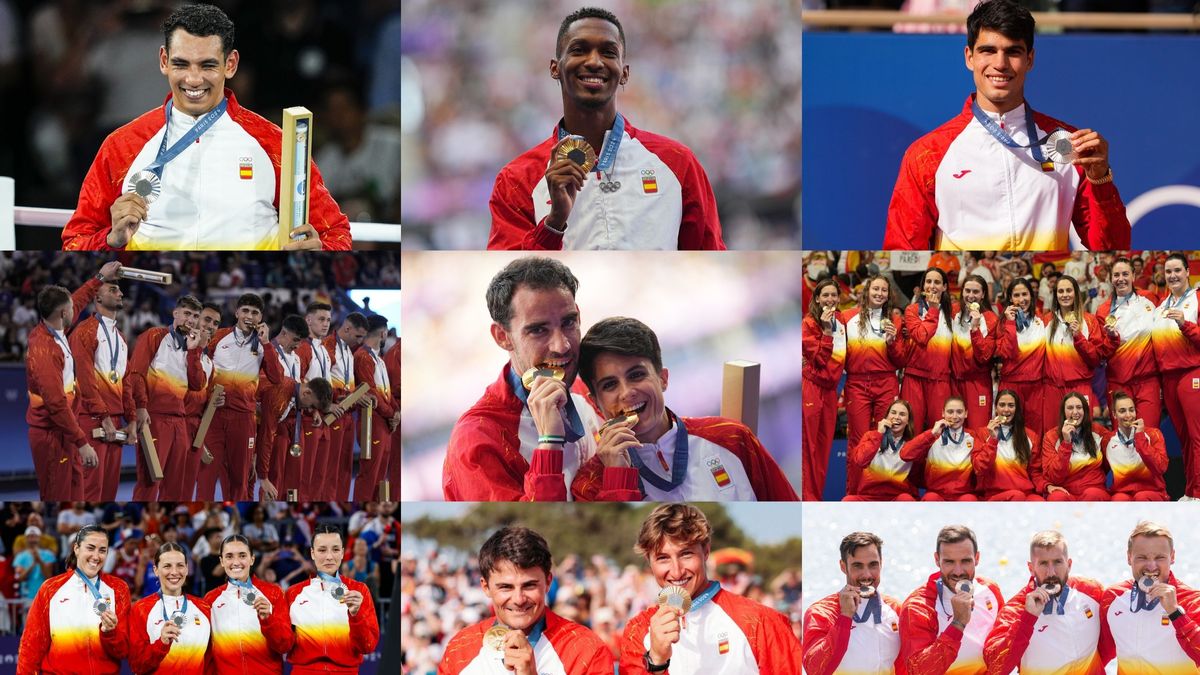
x: 860, y: 456
x: 89, y: 226
x: 364, y: 626
x: 512, y: 223
x: 1099, y: 216
x: 278, y: 627
x: 983, y: 348
x: 767, y: 479
x: 1091, y: 347
x: 921, y: 330
x: 1187, y: 631
x: 486, y: 465
x: 83, y: 348
x: 699, y: 227
x: 1152, y: 448
x: 775, y: 647
x: 924, y: 651
x: 1106, y: 646
x: 595, y: 482
x: 195, y: 370
x: 1009, y: 638
x: 148, y: 651
x: 139, y: 364
x: 1191, y: 330
x: 826, y: 637
x: 913, y: 213
x: 116, y: 641
x: 1037, y: 473
x: 35, y: 639
x: 984, y: 456
x: 46, y: 363
x: 815, y: 345
x: 1056, y: 458
x: 918, y: 447
x: 273, y: 368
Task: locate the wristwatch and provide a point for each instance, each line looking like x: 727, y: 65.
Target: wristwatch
x: 651, y: 667
x: 1176, y: 614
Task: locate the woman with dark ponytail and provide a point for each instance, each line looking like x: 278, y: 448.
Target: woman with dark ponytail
x: 79, y: 621
x: 170, y: 631
x: 251, y: 629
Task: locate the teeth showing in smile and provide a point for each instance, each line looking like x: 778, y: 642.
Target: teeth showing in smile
x: 635, y: 409
x: 194, y: 93
x: 592, y: 80
x: 998, y: 79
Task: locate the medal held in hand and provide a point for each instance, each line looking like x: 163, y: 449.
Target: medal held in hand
x: 100, y: 606
x: 249, y: 597
x: 1058, y: 148
x: 677, y: 597
x: 178, y: 618
x: 494, y: 637
x: 578, y: 150
x: 145, y: 184
x: 532, y: 374
x: 338, y: 592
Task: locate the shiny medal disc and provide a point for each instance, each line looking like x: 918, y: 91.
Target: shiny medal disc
x: 338, y: 592
x: 494, y: 637
x: 1052, y: 589
x: 1058, y: 147
x: 974, y: 307
x: 866, y: 591
x: 677, y: 597
x: 294, y: 451
x: 578, y: 150
x: 532, y: 374
x: 249, y: 597
x: 632, y: 418
x: 178, y: 618
x: 1110, y: 320
x: 964, y: 586
x: 112, y: 376
x: 145, y: 184
x: 100, y: 607
x: 1146, y: 582
x: 1069, y: 317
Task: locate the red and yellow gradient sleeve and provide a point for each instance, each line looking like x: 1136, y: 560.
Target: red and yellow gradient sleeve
x: 35, y: 639
x: 1006, y: 644
x: 984, y: 455
x: 278, y: 629
x: 484, y: 463
x: 924, y: 651
x: 767, y: 479
x: 774, y: 645
x: 826, y: 636
x: 918, y: 448
x: 44, y: 368
x: 463, y: 648
x: 1106, y: 646
x: 821, y: 365
x: 860, y: 456
x: 633, y: 644
x: 139, y: 364
x: 148, y: 652
x: 983, y: 347
x: 83, y: 348
x: 1056, y: 457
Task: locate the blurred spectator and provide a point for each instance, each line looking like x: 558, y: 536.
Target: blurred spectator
x: 33, y: 565
x: 262, y: 535
x: 71, y: 521
x: 360, y: 161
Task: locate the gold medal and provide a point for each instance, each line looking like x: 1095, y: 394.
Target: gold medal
x: 676, y: 596
x: 885, y: 323
x: 1110, y: 320
x: 494, y: 637
x: 578, y: 150
x: 541, y: 371
x: 112, y: 376
x: 294, y: 451
x: 974, y: 307
x: 1069, y: 317
x: 631, y: 418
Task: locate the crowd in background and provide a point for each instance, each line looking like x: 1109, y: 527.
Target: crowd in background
x: 72, y: 71
x: 440, y: 595
x: 35, y: 540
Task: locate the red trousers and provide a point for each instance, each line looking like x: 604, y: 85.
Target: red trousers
x: 818, y: 420
x: 341, y: 442
x: 371, y: 471
x: 57, y: 465
x: 867, y: 397
x: 171, y: 443
x: 195, y: 456
x: 1092, y: 494
x: 231, y: 442
x: 1140, y: 496
x: 935, y: 497
x: 1147, y: 398
x: 1032, y: 395
x: 101, y: 484
x: 1181, y: 391
x: 976, y: 392
x: 926, y: 397
x: 315, y: 440
x: 1015, y: 496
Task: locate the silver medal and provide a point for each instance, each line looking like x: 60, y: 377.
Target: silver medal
x: 100, y: 607
x: 338, y: 592
x: 249, y: 597
x: 145, y: 184
x: 178, y: 618
x: 1058, y: 148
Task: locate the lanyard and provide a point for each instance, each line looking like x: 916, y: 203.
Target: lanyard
x: 612, y: 141
x: 1023, y: 320
x: 344, y: 357
x: 678, y: 462
x: 1001, y: 435
x: 93, y: 586
x: 1117, y: 305
x: 1126, y: 442
x: 330, y: 578
x: 246, y: 585
x: 574, y: 430
x: 872, y: 610
x: 202, y: 125
x: 1139, y: 601
x: 317, y: 348
x: 942, y: 599
x: 60, y: 339
x: 1057, y: 606
x: 890, y: 442
x: 164, y: 605
x: 1000, y: 135
x: 1172, y: 305
x: 705, y: 596
x: 113, y: 350
x: 948, y: 436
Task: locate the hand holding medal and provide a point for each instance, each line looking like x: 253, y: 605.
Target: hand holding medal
x: 565, y: 177
x: 617, y: 440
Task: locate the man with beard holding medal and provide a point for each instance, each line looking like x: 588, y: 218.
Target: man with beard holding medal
x: 251, y: 630
x: 696, y: 627
x: 1147, y: 622
x: 164, y: 367
x: 169, y: 631
x: 524, y: 637
x: 944, y: 623
x: 333, y: 617
x: 597, y: 182
x: 79, y: 621
x: 1052, y: 625
x: 857, y: 629
x: 200, y: 171
x: 62, y: 451
x: 1050, y: 175
x: 101, y: 360
x: 529, y: 434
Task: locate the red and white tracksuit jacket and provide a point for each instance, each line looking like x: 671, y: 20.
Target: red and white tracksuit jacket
x: 237, y: 368
x: 926, y: 384
x: 1131, y: 365
x: 666, y: 201
x: 960, y: 188
x: 222, y: 192
x: 1065, y: 643
x: 871, y: 364
x: 835, y: 644
x: 931, y: 646
x: 729, y: 635
x: 93, y: 350
x: 327, y: 638
x: 998, y: 469
x: 188, y: 655
x: 883, y: 474
x: 493, y: 453
x: 565, y: 648
x: 726, y: 462
x: 971, y: 353
x: 241, y: 643
x: 1068, y: 465
x: 948, y: 470
x: 62, y: 632
x: 1177, y: 350
x: 1145, y: 641
x: 1137, y: 468
x: 822, y: 366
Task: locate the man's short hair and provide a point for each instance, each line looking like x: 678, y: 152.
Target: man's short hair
x: 251, y: 300
x: 1047, y: 539
x: 201, y: 20
x: 1006, y: 17
x: 50, y: 298
x: 1148, y: 528
x: 520, y: 546
x: 952, y: 534
x: 356, y: 319
x: 682, y: 523
x: 211, y: 306
x: 856, y: 540
x: 539, y: 274
x: 317, y: 306
x: 586, y: 13
x: 619, y: 335
x: 323, y: 391
x: 376, y: 322
x: 296, y: 324
x: 190, y: 302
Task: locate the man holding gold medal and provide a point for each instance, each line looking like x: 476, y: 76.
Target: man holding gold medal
x: 597, y: 182
x: 201, y: 172
x: 696, y: 627
x: 999, y: 175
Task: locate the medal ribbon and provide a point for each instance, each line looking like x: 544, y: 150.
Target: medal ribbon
x: 113, y: 351
x: 344, y: 357
x: 678, y: 463
x: 180, y: 340
x: 202, y: 125
x: 941, y: 599
x: 872, y: 610
x: 163, y: 598
x: 1023, y: 320
x: 574, y: 429
x: 1057, y: 606
x: 1002, y: 136
x: 1126, y: 442
x: 612, y: 141
x: 1001, y: 435
x: 1172, y: 305
x: 330, y: 578
x: 890, y: 443
x: 705, y: 596
x: 247, y: 585
x: 1139, y: 601
x: 315, y: 347
x: 1117, y: 305
x: 948, y: 436
x: 296, y: 401
x: 94, y: 587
